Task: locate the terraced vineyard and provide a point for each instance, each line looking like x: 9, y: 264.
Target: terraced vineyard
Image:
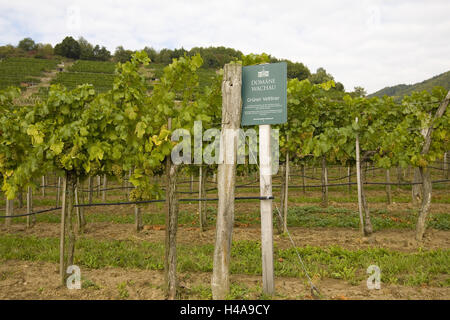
x: 93, y: 67
x: 101, y: 81
x: 15, y: 71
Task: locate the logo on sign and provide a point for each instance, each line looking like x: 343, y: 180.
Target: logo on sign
x: 263, y: 73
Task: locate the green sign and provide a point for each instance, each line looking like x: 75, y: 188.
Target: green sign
x: 264, y: 94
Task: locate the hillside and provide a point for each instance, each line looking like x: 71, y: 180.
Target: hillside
x: 34, y: 76
x: 400, y: 90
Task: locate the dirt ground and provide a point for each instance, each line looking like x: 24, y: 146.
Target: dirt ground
x: 40, y: 280
x: 397, y: 239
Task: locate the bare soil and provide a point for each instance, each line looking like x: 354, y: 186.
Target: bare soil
x: 40, y: 280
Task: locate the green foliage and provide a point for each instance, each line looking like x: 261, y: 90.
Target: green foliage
x: 16, y: 165
x: 69, y: 48
x: 93, y: 67
x: 122, y: 55
x: 27, y: 44
x: 100, y: 81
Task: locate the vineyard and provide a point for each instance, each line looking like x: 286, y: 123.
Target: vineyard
x: 16, y: 71
x: 87, y: 173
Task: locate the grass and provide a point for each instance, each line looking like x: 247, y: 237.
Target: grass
x: 93, y: 66
x: 101, y: 81
x: 299, y: 216
x: 314, y: 216
x: 419, y: 268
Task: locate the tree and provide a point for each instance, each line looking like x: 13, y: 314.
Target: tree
x: 297, y: 70
x: 359, y: 92
x: 151, y: 53
x: 44, y: 50
x: 27, y: 44
x: 69, y: 48
x: 86, y: 49
x: 122, y: 55
x: 321, y: 76
x: 101, y: 54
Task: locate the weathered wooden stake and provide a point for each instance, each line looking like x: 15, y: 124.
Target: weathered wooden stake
x: 138, y: 221
x: 99, y: 182
x: 200, y: 204
x: 286, y: 192
x: 9, y: 211
x: 31, y: 220
x: 43, y: 186
x: 58, y: 192
x: 90, y: 189
x: 105, y: 183
x: 79, y: 210
x: 416, y: 188
x: 324, y: 182
x: 388, y: 186
x: 231, y: 117
x: 425, y: 172
x: 358, y: 180
x: 170, y: 261
x: 62, y: 237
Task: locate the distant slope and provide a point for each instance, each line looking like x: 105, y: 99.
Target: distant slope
x: 400, y: 90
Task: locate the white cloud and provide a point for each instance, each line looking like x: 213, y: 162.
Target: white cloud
x: 368, y: 43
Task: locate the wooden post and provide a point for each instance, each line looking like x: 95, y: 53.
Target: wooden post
x: 231, y: 117
x: 99, y: 182
x: 416, y: 188
x: 90, y: 189
x: 286, y: 193
x: 31, y: 220
x: 104, y: 188
x: 43, y: 186
x: 265, y: 163
x: 9, y: 211
x: 62, y: 237
x: 324, y: 182
x: 58, y: 192
x: 70, y: 220
x: 358, y: 180
x: 191, y: 183
x: 200, y: 204
x: 138, y: 221
x: 170, y: 261
x: 279, y: 217
x: 79, y: 210
x: 388, y: 186
x: 425, y: 172
x: 203, y: 192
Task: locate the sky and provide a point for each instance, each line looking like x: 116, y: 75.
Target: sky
x: 365, y: 43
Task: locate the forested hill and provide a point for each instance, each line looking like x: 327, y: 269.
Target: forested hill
x: 406, y: 89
